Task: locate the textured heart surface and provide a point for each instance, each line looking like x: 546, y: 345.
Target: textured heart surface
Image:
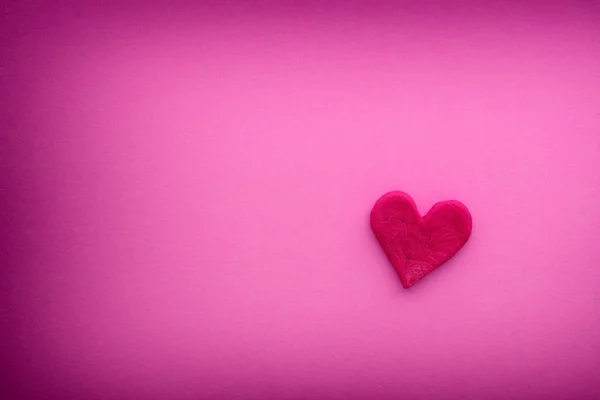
x: 417, y: 245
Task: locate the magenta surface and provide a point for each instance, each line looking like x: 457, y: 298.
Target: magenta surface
x: 185, y: 195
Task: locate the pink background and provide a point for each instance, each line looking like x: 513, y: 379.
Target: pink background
x: 186, y: 191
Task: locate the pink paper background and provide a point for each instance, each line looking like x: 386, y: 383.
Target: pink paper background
x: 186, y: 190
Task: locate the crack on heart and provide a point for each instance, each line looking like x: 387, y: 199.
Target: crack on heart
x: 428, y: 239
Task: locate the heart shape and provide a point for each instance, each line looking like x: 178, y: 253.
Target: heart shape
x: 417, y: 245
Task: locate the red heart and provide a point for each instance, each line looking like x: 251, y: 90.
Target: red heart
x: 414, y: 245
